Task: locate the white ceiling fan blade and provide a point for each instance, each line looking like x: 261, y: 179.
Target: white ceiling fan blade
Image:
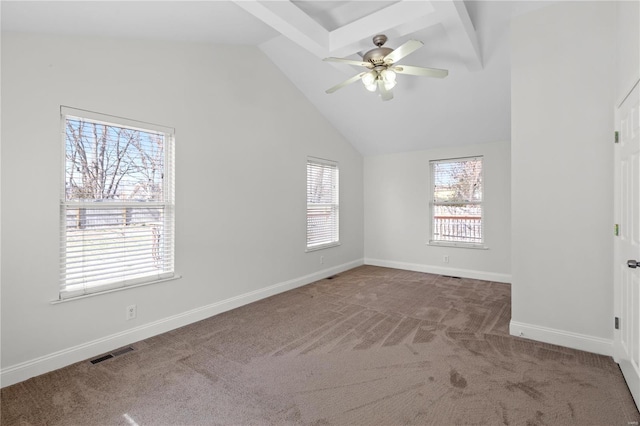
x: 427, y: 72
x: 346, y: 82
x: 402, y: 51
x: 385, y: 94
x: 349, y: 62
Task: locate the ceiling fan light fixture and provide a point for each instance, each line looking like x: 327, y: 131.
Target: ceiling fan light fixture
x: 389, y: 85
x: 388, y: 76
x: 371, y: 87
x: 369, y: 78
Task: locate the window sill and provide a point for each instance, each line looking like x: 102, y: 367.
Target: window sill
x: 112, y: 290
x: 322, y: 247
x: 457, y: 245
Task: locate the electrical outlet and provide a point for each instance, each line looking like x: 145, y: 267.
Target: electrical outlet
x: 131, y: 312
x: 445, y: 259
x: 321, y: 260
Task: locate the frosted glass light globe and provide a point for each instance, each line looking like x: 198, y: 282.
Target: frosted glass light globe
x: 369, y: 78
x: 388, y: 76
x: 389, y: 85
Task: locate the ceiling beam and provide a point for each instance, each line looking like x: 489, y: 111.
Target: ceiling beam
x: 291, y: 22
x: 403, y: 17
x: 346, y: 40
x: 457, y: 23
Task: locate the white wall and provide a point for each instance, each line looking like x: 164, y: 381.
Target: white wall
x: 243, y: 133
x: 562, y: 97
x: 627, y: 47
x: 397, y: 226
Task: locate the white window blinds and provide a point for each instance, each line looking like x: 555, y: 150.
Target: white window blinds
x: 322, y: 204
x: 117, y: 203
x: 457, y: 200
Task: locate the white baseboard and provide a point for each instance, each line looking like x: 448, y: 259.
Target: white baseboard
x: 568, y: 339
x: 455, y: 272
x: 25, y: 370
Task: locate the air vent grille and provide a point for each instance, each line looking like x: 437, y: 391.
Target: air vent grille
x: 113, y: 354
x: 102, y: 358
x: 122, y: 351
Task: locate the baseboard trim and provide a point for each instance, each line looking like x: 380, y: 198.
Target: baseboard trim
x: 564, y: 338
x: 25, y: 370
x: 456, y: 272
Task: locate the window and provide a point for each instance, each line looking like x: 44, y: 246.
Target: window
x: 322, y: 204
x: 117, y: 208
x: 456, y: 207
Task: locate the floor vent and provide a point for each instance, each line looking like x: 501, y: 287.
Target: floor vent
x: 112, y: 355
x: 451, y: 276
x: 102, y: 358
x: 122, y: 351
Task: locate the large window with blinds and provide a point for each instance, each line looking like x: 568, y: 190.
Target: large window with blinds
x: 322, y: 204
x: 456, y: 202
x: 117, y: 203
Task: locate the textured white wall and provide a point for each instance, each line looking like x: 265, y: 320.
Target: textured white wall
x: 396, y: 215
x: 243, y: 133
x: 562, y: 97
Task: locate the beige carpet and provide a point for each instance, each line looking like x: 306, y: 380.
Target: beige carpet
x: 371, y: 346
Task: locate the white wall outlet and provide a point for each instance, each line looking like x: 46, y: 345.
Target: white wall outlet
x: 321, y: 260
x: 132, y: 311
x: 445, y: 259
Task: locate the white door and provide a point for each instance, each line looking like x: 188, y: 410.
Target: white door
x: 627, y: 245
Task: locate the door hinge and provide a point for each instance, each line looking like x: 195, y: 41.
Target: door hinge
x: 616, y: 230
x: 616, y: 323
x: 616, y: 137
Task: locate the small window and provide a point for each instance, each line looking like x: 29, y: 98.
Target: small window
x: 322, y: 204
x: 456, y: 207
x: 117, y: 203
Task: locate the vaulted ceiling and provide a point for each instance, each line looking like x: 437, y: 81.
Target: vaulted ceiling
x: 470, y: 39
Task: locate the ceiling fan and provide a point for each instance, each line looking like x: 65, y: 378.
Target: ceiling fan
x: 382, y: 68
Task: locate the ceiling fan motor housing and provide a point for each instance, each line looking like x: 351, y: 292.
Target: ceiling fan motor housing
x: 376, y: 56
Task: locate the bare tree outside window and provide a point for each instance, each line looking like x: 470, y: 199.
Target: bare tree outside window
x: 457, y: 200
x: 117, y: 205
x: 105, y: 162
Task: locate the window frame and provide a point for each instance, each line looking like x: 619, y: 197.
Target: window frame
x: 335, y: 205
x: 70, y: 291
x: 432, y: 205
